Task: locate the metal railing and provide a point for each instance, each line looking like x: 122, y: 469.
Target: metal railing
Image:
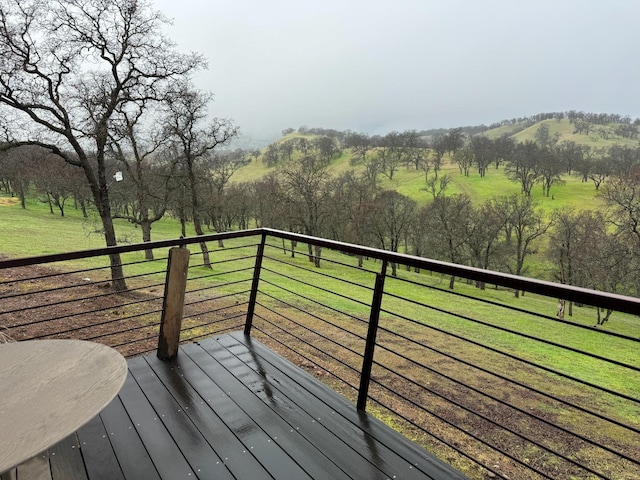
x: 497, y: 385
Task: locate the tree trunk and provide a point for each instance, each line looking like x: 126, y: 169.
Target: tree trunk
x: 195, y: 213
x: 117, y: 273
x: 146, y: 237
x: 452, y: 280
x: 101, y: 199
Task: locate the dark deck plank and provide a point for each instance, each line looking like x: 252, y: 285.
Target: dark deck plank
x: 66, y: 460
x: 199, y: 454
x: 163, y: 451
x: 307, y: 422
x: 231, y: 408
x: 131, y: 454
x: 97, y: 452
x: 387, y: 449
x: 282, y: 433
x: 239, y: 457
x: 249, y: 428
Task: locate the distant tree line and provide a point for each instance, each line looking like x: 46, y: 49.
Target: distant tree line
x: 580, y: 117
x: 590, y: 249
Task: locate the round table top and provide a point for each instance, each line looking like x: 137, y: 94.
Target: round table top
x: 49, y: 389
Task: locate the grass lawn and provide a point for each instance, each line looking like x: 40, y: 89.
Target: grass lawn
x: 465, y: 313
x: 571, y: 193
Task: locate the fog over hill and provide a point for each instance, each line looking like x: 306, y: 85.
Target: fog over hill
x: 385, y: 65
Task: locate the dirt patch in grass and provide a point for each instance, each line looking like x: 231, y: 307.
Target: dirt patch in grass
x: 424, y: 406
x: 41, y: 302
x: 7, y: 201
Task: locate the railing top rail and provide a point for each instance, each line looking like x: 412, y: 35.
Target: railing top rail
x: 135, y: 247
x: 587, y: 296
x: 611, y: 301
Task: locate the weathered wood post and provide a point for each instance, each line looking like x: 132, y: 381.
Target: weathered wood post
x: 174, y: 291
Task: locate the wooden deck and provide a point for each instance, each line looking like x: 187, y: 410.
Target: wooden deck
x: 229, y: 408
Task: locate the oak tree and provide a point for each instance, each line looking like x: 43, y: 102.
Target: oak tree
x: 68, y: 66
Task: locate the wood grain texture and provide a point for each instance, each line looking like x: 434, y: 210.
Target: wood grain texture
x: 50, y: 388
x: 228, y: 407
x: 174, y: 292
x: 36, y: 468
x: 66, y: 460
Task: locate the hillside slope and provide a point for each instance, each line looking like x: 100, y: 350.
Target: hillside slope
x: 411, y: 182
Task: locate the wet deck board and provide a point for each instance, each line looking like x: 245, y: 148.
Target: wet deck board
x: 228, y: 407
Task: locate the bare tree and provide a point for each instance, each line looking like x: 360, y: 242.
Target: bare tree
x: 483, y: 236
x: 448, y: 220
x: 454, y: 140
x: 54, y: 178
x: 194, y: 139
x: 622, y: 195
x: 137, y: 146
x: 392, y: 152
x: 306, y: 193
x: 437, y: 186
x: 525, y: 223
x: 18, y: 168
x: 68, y: 66
x: 388, y: 219
x: 483, y: 152
x: 464, y: 158
x: 360, y: 144
x: 439, y: 148
x: 220, y: 167
x: 523, y: 167
x: 575, y: 248
x: 549, y: 170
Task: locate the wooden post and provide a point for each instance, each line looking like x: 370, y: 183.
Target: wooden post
x: 174, y: 291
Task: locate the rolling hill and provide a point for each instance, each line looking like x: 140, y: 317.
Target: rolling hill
x: 411, y: 182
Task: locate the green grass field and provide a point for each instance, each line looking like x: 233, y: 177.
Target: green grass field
x: 565, y: 131
x: 571, y: 193
x: 35, y: 231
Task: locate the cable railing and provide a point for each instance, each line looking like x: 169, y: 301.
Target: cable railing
x: 69, y: 295
x: 500, y: 385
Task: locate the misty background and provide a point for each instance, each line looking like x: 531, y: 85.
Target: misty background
x: 377, y: 66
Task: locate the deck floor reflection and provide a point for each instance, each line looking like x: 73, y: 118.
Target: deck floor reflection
x: 230, y: 408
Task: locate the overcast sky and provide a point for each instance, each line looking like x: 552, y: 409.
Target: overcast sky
x: 380, y: 65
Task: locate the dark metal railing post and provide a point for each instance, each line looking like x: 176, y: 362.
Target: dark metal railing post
x: 374, y: 317
x: 254, y: 286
